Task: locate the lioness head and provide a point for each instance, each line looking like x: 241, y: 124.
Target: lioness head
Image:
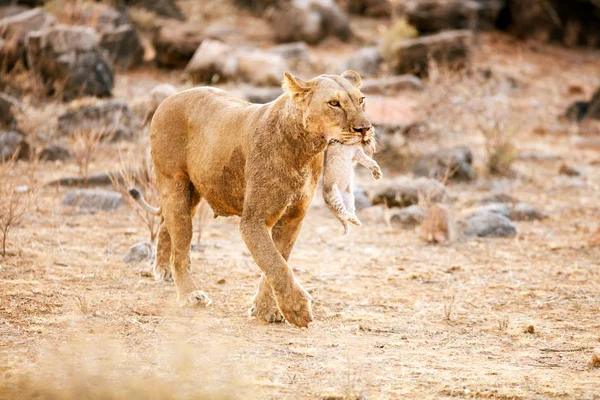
x: 332, y: 106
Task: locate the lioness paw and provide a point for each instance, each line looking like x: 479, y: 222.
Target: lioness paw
x: 194, y: 299
x: 296, y: 306
x: 271, y: 316
x: 162, y: 273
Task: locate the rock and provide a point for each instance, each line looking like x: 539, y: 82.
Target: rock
x: 93, y: 199
x: 163, y: 8
x: 13, y: 33
x: 11, y: 10
x: 294, y: 53
x: 175, y: 44
x: 587, y: 143
x: 54, y: 152
x: 498, y: 198
x: 593, y: 111
x: 97, y: 179
x: 262, y: 95
x: 112, y: 118
x: 568, y: 170
x: 7, y: 105
x: 431, y: 16
x: 526, y: 212
x: 366, y: 61
x: 487, y: 224
x: 124, y: 46
x: 454, y: 163
x: 370, y: 8
x: 215, y: 61
x: 361, y: 199
x: 404, y: 192
x: 139, y: 252
x: 451, y: 49
x: 68, y: 59
x: 407, y: 217
x: 392, y: 85
x: 498, y: 208
x: 311, y: 21
x: 257, y: 6
x: 577, y: 111
x: 11, y: 143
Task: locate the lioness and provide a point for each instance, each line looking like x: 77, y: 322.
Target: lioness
x: 260, y: 162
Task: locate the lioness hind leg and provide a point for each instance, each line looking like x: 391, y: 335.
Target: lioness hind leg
x: 162, y: 267
x: 177, y: 204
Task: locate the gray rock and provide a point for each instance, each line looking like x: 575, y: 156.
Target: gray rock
x: 404, y: 192
x: 451, y: 49
x: 498, y: 208
x: 361, y: 199
x: 455, y: 163
x: 11, y: 143
x: 7, y: 105
x: 124, y: 46
x: 139, y: 252
x: 54, y: 152
x: 407, y: 217
x: 295, y: 53
x: 163, y: 8
x: 391, y: 85
x: 487, y: 224
x: 526, y: 212
x: 93, y: 199
x: 111, y: 118
x: 498, y: 198
x: 366, y: 61
x: 262, y: 95
x: 68, y: 59
x: 175, y: 44
x: 370, y: 8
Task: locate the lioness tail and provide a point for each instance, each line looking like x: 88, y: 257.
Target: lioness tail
x: 139, y: 198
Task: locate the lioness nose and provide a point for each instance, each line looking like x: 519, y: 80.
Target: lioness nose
x: 362, y: 129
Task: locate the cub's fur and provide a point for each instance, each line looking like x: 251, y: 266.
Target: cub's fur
x: 338, y: 176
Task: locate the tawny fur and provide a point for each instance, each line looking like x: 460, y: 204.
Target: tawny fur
x: 261, y: 162
x: 438, y: 225
x: 338, y: 176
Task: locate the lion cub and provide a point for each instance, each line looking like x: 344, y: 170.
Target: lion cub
x: 339, y: 173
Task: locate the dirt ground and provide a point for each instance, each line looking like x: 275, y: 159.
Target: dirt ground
x: 394, y: 318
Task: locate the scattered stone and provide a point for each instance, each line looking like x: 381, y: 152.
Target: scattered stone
x: 539, y: 156
x: 175, y: 44
x: 11, y: 10
x: 526, y: 212
x: 454, y: 163
x: 404, y: 192
x: 311, y: 21
x: 124, y: 46
x: 587, y: 143
x: 112, y: 118
x: 498, y: 198
x: 370, y: 8
x: 451, y: 49
x: 221, y: 281
x: 68, y: 60
x: 296, y: 53
x: 7, y: 105
x: 361, y: 199
x: 262, y: 95
x: 93, y: 199
x: 97, y: 179
x: 392, y: 85
x: 11, y: 143
x: 568, y: 170
x: 257, y: 6
x: 13, y: 33
x: 593, y: 110
x: 54, y: 152
x: 498, y: 208
x: 163, y: 8
x: 488, y: 224
x: 530, y: 329
x: 139, y: 252
x: 260, y: 67
x: 577, y: 111
x: 366, y: 61
x: 407, y: 217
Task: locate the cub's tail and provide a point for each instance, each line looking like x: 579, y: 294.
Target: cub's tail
x: 139, y: 198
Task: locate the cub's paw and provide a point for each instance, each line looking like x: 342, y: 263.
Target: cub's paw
x: 376, y: 172
x: 352, y: 218
x: 296, y: 306
x: 196, y: 298
x: 162, y: 273
x: 269, y: 315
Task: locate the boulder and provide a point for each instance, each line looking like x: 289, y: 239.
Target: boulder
x: 366, y: 61
x: 498, y: 208
x: 7, y: 105
x: 432, y: 16
x: 370, y: 8
x: 139, y: 252
x: 54, y: 152
x: 175, y: 44
x: 310, y: 21
x: 451, y: 48
x: 498, y: 198
x: 112, y: 118
x: 526, y: 212
x: 487, y: 224
x: 123, y: 46
x: 404, y: 192
x: 93, y: 199
x: 454, y: 163
x: 68, y: 60
x: 295, y: 54
x: 11, y: 143
x: 407, y: 217
x: 391, y: 85
x: 13, y: 33
x: 163, y: 8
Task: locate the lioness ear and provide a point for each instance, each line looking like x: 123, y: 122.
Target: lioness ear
x: 354, y: 78
x: 297, y: 88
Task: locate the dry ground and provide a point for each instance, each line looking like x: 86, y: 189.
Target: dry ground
x: 394, y: 318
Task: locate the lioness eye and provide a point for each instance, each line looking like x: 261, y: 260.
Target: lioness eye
x: 361, y: 100
x: 334, y: 103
